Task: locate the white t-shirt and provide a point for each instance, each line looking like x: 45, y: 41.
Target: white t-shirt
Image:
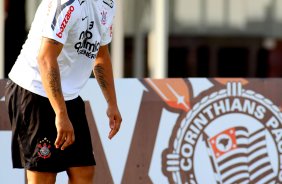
x: 82, y: 26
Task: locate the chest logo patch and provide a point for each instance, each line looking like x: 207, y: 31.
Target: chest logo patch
x: 104, y: 18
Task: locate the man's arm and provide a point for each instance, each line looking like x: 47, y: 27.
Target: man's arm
x: 104, y: 75
x: 50, y: 74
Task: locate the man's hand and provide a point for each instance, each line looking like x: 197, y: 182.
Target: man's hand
x: 104, y: 74
x: 51, y: 80
x: 114, y: 120
x: 65, y: 132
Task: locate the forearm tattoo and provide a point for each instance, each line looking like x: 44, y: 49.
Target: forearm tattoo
x: 54, y: 81
x: 100, y: 76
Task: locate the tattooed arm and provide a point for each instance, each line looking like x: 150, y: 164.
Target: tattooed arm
x: 50, y: 74
x: 104, y: 75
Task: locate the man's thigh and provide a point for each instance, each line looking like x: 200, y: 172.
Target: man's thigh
x: 34, y: 177
x: 79, y: 175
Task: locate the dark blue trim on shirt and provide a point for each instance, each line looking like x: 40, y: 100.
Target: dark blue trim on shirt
x: 59, y: 10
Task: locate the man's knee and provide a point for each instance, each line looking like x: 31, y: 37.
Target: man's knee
x: 34, y: 177
x: 81, y: 175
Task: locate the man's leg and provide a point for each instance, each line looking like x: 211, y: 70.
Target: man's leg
x: 79, y: 175
x: 34, y: 177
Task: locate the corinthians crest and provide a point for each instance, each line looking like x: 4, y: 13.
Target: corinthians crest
x: 104, y: 18
x: 232, y: 135
x: 44, y: 148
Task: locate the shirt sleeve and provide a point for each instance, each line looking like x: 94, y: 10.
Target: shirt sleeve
x: 59, y: 19
x: 107, y: 35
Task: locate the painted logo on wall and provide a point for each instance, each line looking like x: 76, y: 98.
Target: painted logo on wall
x: 197, y: 131
x: 231, y: 135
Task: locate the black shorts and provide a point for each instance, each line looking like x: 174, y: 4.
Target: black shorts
x: 34, y: 132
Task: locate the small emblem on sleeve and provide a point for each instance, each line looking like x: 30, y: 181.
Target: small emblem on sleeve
x: 44, y: 148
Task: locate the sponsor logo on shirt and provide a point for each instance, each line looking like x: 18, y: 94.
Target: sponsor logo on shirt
x: 110, y: 3
x: 85, y: 46
x: 84, y: 18
x: 65, y: 22
x: 59, y: 11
